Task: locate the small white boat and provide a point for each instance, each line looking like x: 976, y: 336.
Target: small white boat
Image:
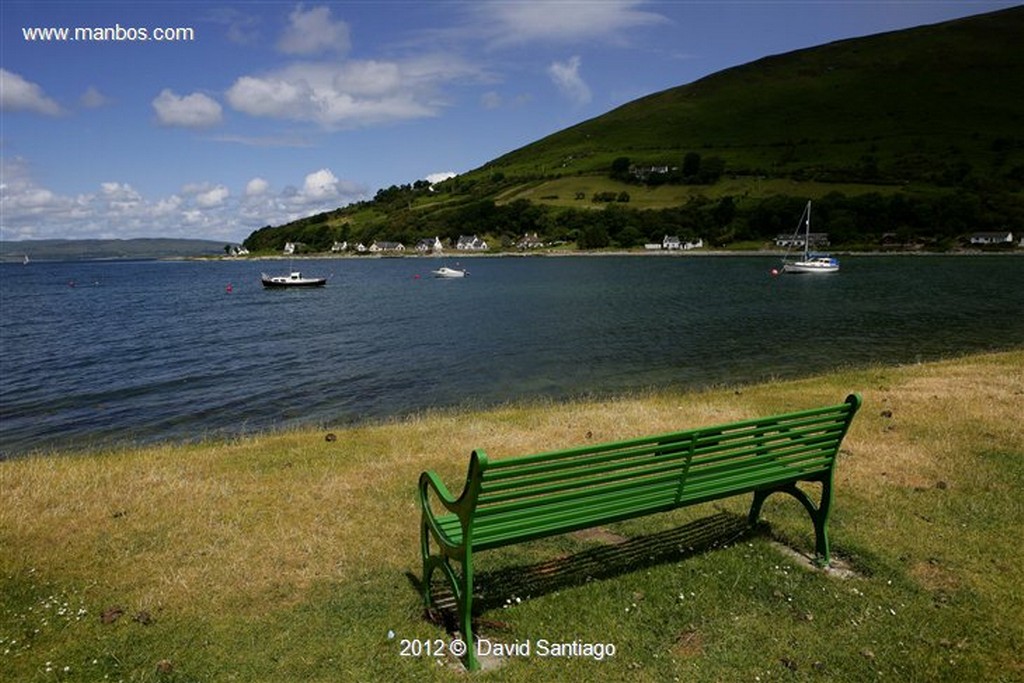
x: 810, y: 262
x: 293, y: 279
x: 446, y: 272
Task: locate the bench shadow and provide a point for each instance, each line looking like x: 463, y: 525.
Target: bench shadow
x: 622, y: 556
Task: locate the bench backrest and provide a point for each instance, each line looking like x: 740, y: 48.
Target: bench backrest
x: 537, y: 495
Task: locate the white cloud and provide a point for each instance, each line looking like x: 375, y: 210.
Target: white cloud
x: 256, y: 187
x: 440, y: 176
x: 312, y: 32
x: 272, y: 96
x: 117, y: 209
x: 25, y: 206
x: 191, y: 111
x: 120, y: 196
x: 566, y: 76
x: 212, y: 197
x: 167, y: 206
x: 92, y: 98
x: 560, y: 21
x: 17, y: 94
x: 350, y: 94
x: 320, y: 185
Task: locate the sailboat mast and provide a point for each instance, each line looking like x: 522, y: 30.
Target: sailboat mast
x: 807, y: 230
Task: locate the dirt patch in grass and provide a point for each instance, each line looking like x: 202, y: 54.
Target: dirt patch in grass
x: 933, y: 577
x: 838, y: 568
x: 689, y: 644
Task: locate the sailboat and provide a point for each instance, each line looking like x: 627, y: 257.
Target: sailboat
x: 810, y: 262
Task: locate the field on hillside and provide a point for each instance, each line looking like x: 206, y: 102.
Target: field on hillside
x: 566, y: 191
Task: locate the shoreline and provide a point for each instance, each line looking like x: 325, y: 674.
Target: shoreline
x: 693, y: 253
x: 471, y: 412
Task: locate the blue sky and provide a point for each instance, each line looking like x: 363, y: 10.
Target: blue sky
x: 263, y: 112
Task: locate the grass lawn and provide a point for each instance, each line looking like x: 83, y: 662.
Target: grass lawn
x: 294, y: 556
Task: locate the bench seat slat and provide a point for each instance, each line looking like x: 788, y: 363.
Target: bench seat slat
x: 712, y: 465
x: 728, y: 442
x: 825, y: 443
x: 603, y: 458
x: 586, y: 479
x: 566, y: 516
x: 578, y: 497
x: 544, y: 519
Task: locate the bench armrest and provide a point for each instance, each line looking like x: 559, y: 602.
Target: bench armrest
x: 463, y: 506
x: 430, y: 480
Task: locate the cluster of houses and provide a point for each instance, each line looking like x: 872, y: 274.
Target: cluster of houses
x: 424, y: 246
x: 672, y: 243
x: 991, y: 239
x: 820, y: 240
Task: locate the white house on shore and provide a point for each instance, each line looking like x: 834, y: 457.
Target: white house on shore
x: 529, y: 241
x: 816, y: 239
x: 428, y: 245
x: 673, y: 243
x: 378, y: 247
x: 471, y: 243
x: 992, y: 238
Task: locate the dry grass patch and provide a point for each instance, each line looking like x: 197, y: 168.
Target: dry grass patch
x: 934, y: 577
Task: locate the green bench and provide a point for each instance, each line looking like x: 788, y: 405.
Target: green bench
x: 519, y: 499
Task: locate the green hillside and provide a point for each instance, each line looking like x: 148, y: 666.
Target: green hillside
x: 910, y: 106
x: 916, y: 133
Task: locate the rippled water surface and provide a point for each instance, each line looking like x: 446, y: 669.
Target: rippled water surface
x: 94, y: 352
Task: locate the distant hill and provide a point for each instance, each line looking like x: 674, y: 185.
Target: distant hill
x: 84, y: 250
x: 918, y: 132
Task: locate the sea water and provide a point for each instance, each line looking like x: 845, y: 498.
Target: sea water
x: 112, y: 351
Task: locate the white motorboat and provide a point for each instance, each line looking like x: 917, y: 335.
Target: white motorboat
x: 293, y: 279
x: 446, y: 272
x: 810, y: 262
